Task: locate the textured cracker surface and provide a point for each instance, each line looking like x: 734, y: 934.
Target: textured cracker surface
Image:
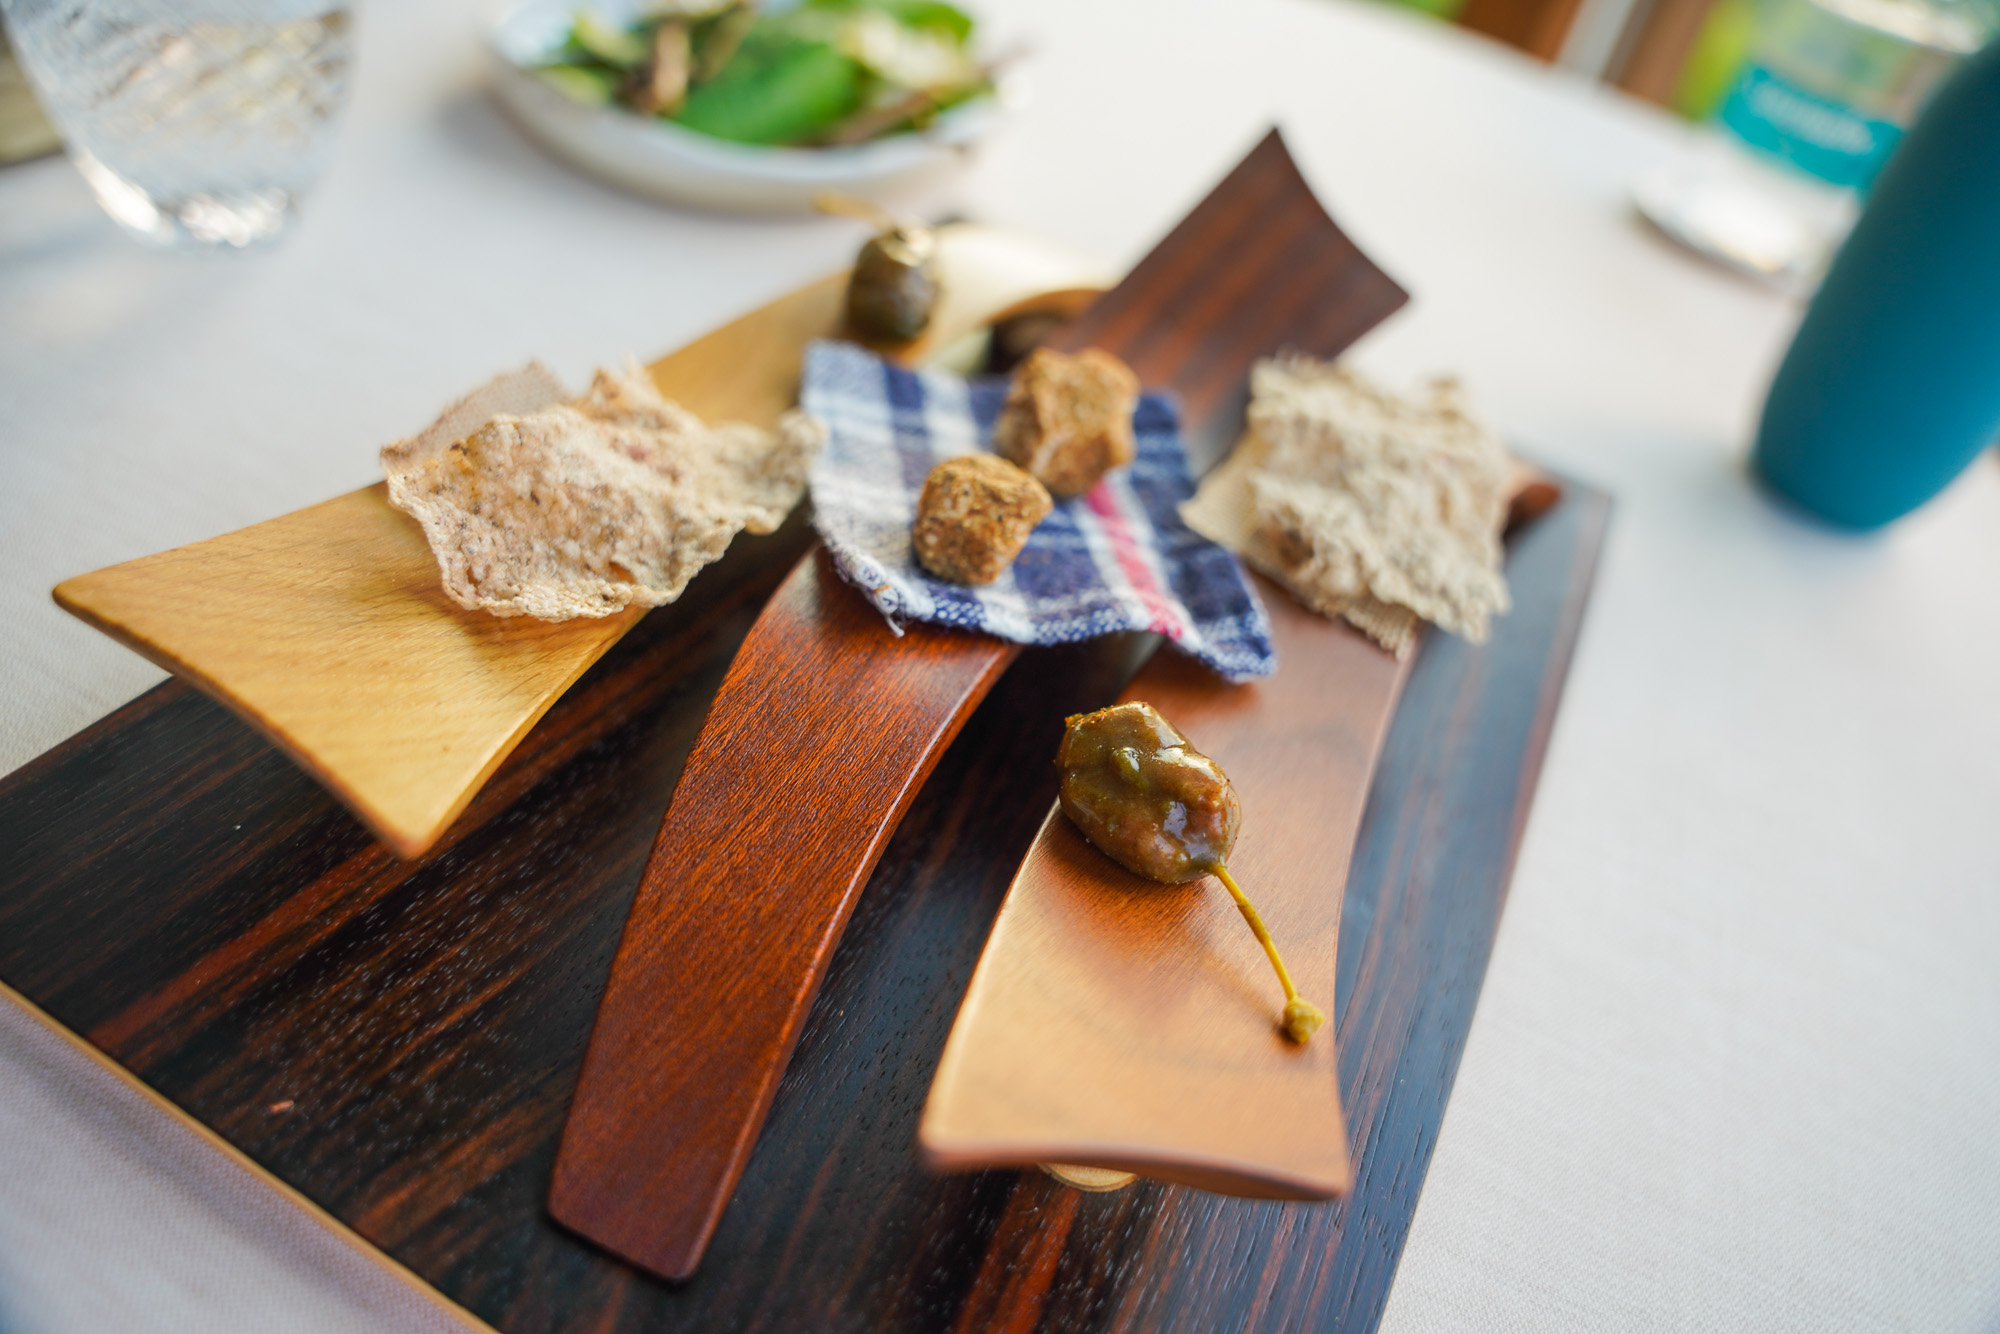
x: 1382, y: 509
x: 539, y: 507
x: 1068, y: 419
x: 974, y: 516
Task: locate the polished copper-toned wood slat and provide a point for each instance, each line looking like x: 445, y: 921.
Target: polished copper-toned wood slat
x: 1123, y: 1024
x: 702, y: 1012
x: 824, y: 729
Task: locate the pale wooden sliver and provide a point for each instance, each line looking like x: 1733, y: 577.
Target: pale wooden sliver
x: 327, y: 628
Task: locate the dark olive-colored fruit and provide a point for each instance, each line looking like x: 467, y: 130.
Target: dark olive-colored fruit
x: 1161, y: 809
x: 1149, y: 800
x: 894, y: 286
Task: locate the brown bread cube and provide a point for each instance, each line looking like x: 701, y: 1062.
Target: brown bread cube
x: 1068, y: 420
x: 974, y: 517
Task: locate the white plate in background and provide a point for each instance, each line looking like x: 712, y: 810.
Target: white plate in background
x: 659, y: 158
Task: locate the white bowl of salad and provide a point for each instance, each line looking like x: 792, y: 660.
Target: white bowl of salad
x: 727, y: 105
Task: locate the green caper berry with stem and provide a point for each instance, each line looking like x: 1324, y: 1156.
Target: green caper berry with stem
x: 1154, y: 804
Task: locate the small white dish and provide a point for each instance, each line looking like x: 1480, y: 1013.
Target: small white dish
x: 1770, y: 223
x: 659, y: 158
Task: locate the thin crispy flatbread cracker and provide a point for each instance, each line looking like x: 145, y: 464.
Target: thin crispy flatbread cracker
x: 1383, y: 510
x: 539, y: 507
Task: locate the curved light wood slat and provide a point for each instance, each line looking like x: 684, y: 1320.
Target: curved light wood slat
x: 327, y: 628
x: 826, y: 726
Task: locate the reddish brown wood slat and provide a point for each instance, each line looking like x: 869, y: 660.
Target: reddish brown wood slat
x: 824, y: 729
x: 826, y: 726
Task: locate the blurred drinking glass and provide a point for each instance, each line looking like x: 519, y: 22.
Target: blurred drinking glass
x: 1822, y: 100
x: 198, y: 123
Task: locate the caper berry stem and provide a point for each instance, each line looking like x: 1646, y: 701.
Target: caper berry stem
x: 1302, y: 1018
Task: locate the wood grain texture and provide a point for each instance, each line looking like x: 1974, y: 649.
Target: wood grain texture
x: 1118, y: 1023
x: 1538, y: 27
x: 828, y: 723
x: 328, y: 628
x: 26, y: 1015
x: 824, y: 729
x: 181, y: 894
x: 1655, y: 50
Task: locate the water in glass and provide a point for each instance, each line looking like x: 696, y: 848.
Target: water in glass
x: 198, y: 124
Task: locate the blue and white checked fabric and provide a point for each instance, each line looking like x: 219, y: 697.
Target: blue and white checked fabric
x: 1117, y: 558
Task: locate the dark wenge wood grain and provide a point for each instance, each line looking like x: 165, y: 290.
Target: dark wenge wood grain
x: 176, y: 891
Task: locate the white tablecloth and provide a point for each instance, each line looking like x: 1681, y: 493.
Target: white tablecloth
x: 1737, y: 1062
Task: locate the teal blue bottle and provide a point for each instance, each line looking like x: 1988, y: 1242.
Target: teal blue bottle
x: 1892, y: 385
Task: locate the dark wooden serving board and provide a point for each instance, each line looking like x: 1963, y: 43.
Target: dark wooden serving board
x: 399, y: 1040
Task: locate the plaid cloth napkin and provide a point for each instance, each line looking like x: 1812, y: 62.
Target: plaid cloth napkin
x: 1117, y: 558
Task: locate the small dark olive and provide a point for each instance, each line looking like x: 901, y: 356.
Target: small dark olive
x: 894, y: 286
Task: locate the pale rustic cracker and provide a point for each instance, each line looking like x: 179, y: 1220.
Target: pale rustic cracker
x: 548, y: 509
x: 1380, y: 509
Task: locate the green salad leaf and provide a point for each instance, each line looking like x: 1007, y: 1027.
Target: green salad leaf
x: 910, y: 13
x: 822, y: 71
x: 778, y: 89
